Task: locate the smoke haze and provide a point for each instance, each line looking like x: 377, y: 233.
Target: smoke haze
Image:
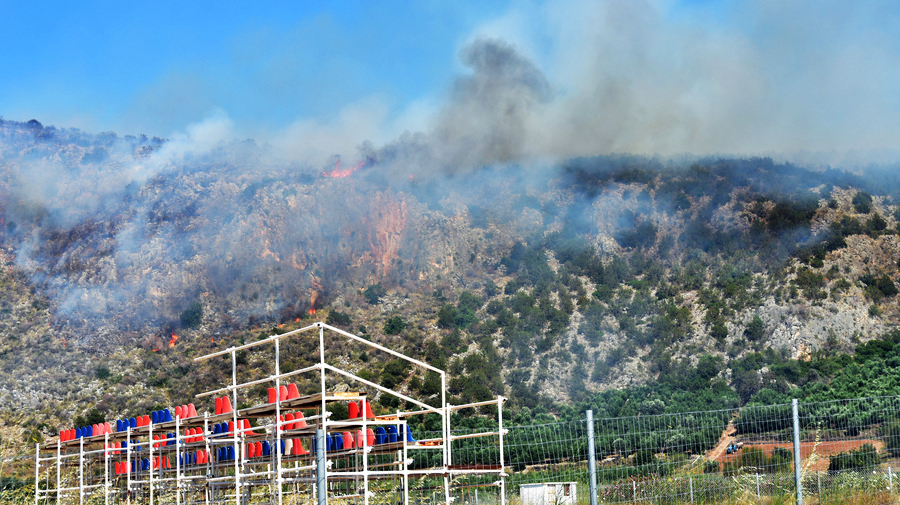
x: 541, y: 83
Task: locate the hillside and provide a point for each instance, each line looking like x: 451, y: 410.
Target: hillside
x: 549, y: 283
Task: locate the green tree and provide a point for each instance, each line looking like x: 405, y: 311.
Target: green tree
x: 374, y: 293
x: 862, y: 202
x: 192, y: 315
x: 755, y: 330
x: 447, y: 316
x: 394, y: 325
x: 337, y: 318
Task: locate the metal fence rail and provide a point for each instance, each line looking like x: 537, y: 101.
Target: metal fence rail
x: 846, y: 448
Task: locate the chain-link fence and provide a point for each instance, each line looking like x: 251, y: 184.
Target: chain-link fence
x: 848, y: 450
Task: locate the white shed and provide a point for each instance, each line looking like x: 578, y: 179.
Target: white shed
x: 548, y: 493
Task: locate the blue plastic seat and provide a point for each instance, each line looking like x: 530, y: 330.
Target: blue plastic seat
x: 338, y: 442
x: 132, y: 423
x: 380, y: 435
x: 167, y: 415
x: 154, y: 417
x: 267, y: 449
x: 391, y: 434
x: 119, y: 425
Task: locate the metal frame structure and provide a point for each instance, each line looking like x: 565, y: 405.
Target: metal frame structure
x: 164, y: 469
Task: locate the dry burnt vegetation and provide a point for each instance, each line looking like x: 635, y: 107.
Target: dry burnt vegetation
x: 623, y: 283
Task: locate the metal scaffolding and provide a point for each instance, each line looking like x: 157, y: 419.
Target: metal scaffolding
x: 294, y: 454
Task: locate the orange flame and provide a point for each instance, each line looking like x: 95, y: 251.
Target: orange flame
x: 312, y: 311
x: 281, y: 325
x: 173, y: 340
x: 297, y: 320
x: 156, y: 350
x: 337, y: 173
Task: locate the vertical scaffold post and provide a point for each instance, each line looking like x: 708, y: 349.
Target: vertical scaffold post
x: 237, y: 448
x: 178, y: 476
x: 592, y: 457
x: 106, y: 455
x: 81, y: 471
x: 37, y: 468
x: 128, y: 463
x: 365, y: 451
x: 321, y: 481
x: 500, y: 401
x: 278, y: 474
x: 58, y: 470
x: 207, y: 457
x: 797, y: 478
x: 445, y: 427
x: 321, y: 478
x: 150, y: 447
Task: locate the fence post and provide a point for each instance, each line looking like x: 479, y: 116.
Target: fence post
x: 691, y: 481
x: 890, y: 480
x: 797, y: 483
x: 592, y: 457
x: 757, y: 488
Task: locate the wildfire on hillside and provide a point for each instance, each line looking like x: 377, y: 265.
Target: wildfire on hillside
x: 338, y: 173
x: 172, y: 340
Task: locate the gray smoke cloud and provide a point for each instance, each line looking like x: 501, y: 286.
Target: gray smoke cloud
x: 739, y: 78
x: 807, y: 81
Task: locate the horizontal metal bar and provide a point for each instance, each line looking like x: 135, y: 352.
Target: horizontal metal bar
x: 381, y: 348
x: 453, y: 407
x: 381, y: 388
x: 497, y: 401
x: 477, y: 435
x: 259, y: 381
x: 466, y: 472
x: 258, y: 342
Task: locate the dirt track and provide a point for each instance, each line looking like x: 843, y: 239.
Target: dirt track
x: 823, y: 451
x: 725, y: 440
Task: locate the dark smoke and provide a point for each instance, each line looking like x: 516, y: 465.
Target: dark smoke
x: 487, y: 119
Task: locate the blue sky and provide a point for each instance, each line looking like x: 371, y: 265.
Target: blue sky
x: 156, y: 67
x: 648, y: 76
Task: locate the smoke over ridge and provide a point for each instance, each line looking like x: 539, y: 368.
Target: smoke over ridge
x: 106, y: 222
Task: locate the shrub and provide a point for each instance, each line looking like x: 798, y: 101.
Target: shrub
x: 862, y: 202
x: 192, y: 315
x: 447, y: 316
x: 859, y: 459
x: 891, y: 432
x: 754, y: 330
x: 337, y: 318
x: 394, y: 325
x: 374, y: 293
